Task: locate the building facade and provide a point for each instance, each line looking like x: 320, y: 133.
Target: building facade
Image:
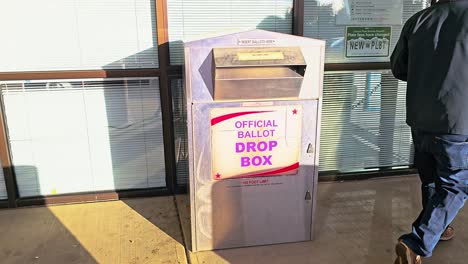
x: 92, y: 100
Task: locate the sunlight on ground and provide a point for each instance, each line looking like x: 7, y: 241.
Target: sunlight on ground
x: 112, y: 232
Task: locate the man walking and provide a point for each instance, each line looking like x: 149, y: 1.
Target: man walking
x: 432, y: 56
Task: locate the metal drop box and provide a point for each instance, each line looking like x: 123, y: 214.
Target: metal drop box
x: 253, y: 120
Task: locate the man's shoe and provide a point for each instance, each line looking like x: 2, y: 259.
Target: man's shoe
x: 448, y: 234
x: 405, y: 255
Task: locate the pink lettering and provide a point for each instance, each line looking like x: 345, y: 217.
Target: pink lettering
x: 240, y: 147
x: 245, y: 162
x: 273, y: 144
x: 257, y: 161
x: 262, y: 146
x: 267, y: 160
x: 251, y: 146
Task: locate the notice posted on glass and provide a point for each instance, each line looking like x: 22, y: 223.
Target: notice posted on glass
x: 367, y: 42
x: 370, y: 12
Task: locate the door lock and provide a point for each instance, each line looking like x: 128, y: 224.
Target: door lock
x: 310, y: 149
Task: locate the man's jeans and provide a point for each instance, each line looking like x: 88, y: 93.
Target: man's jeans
x: 442, y: 162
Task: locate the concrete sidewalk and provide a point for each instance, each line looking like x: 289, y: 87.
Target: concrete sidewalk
x: 130, y: 231
x: 357, y: 222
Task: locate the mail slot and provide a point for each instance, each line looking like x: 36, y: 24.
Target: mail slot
x: 253, y: 114
x: 257, y: 73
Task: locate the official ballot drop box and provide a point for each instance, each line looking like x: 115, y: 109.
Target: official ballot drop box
x: 253, y: 115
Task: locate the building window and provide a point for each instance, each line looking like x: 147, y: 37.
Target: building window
x: 190, y: 20
x: 51, y: 35
x: 71, y: 136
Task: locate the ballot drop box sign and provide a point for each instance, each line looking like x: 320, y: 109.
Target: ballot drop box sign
x: 255, y: 142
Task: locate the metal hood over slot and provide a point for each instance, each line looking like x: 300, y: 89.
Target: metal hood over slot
x: 257, y: 73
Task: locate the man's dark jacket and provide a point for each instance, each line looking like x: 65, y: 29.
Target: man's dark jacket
x: 432, y: 56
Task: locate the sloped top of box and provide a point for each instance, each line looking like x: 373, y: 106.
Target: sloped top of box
x: 254, y: 38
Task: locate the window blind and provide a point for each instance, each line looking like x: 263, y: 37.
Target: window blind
x: 179, y: 110
x: 76, y: 35
x: 3, y: 191
x: 73, y: 136
x: 363, y: 122
x: 192, y: 19
x: 320, y: 22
